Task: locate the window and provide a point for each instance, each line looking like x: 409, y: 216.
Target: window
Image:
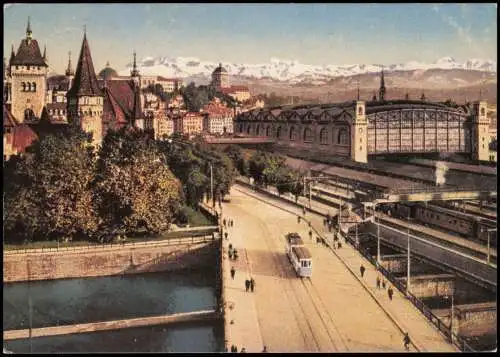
x: 279, y: 133
x: 33, y: 87
x: 38, y: 68
x: 307, y: 137
x: 24, y: 86
x: 482, y: 109
x: 323, y: 136
x: 360, y: 111
x: 268, y: 131
x: 343, y: 138
x: 293, y: 134
x: 28, y: 87
x: 28, y: 68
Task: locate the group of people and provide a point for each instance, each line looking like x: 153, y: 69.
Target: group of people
x: 250, y: 284
x: 233, y: 253
x: 228, y: 223
x: 243, y: 350
x: 379, y: 282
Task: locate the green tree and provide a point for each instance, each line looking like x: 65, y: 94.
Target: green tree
x: 236, y: 155
x: 49, y: 195
x: 134, y: 187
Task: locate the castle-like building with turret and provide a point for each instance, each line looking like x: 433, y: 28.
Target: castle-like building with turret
x: 79, y: 98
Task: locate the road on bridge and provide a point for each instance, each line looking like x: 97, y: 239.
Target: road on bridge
x: 330, y: 312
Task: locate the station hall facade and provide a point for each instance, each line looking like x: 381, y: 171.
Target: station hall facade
x: 358, y: 128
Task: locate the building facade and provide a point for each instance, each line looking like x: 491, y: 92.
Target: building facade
x: 191, y: 123
x: 217, y: 119
x: 357, y: 129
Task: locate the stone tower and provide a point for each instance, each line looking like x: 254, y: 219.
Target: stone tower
x: 85, y: 98
x: 381, y: 91
x: 220, y: 78
x: 359, y: 136
x: 480, y: 132
x: 28, y: 71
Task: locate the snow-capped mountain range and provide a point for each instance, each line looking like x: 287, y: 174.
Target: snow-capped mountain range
x: 291, y: 70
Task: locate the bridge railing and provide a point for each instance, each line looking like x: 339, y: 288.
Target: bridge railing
x: 401, y: 286
x: 168, y: 241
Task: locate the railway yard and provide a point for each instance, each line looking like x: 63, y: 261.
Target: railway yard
x: 456, y: 240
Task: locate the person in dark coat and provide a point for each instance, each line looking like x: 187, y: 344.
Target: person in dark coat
x: 247, y: 284
x: 339, y: 245
x: 407, y: 341
x: 265, y: 349
x: 378, y: 282
x: 232, y: 272
x: 390, y: 292
x: 252, y: 284
x: 383, y: 283
x: 224, y: 222
x: 362, y: 270
x: 298, y: 219
x: 225, y: 235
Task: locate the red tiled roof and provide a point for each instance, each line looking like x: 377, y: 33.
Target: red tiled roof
x: 28, y: 54
x: 160, y: 78
x: 8, y: 119
x: 85, y: 82
x: 21, y: 137
x: 113, y: 114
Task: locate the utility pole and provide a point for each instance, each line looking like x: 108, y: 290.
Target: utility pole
x: 29, y: 302
x: 212, y: 185
x: 488, y: 231
x: 408, y: 268
x: 310, y: 193
x: 378, y: 234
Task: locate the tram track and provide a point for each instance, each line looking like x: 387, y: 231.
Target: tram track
x: 291, y: 290
x: 279, y: 267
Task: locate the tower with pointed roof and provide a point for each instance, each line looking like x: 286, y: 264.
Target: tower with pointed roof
x: 85, y: 98
x: 381, y: 91
x: 69, y: 71
x: 220, y: 78
x: 134, y: 73
x: 28, y: 76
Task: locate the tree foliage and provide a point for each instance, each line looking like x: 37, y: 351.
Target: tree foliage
x: 195, y: 98
x: 49, y: 195
x: 238, y: 159
x: 134, y: 188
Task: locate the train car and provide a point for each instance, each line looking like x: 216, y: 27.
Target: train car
x: 293, y: 240
x: 302, y: 261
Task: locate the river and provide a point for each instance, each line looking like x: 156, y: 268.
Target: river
x: 71, y: 301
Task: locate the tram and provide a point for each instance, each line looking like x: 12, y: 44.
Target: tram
x: 299, y: 255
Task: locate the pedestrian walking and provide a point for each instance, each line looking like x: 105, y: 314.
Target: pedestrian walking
x: 264, y: 350
x: 378, y: 282
x: 390, y: 292
x: 247, y: 284
x: 225, y: 235
x: 304, y: 210
x: 339, y: 245
x: 243, y: 350
x: 232, y: 272
x: 252, y: 284
x: 310, y: 234
x: 407, y: 341
x: 224, y: 222
x: 383, y: 283
x: 362, y: 270
x: 232, y: 223
x: 298, y: 219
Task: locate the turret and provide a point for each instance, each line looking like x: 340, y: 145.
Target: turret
x: 134, y: 73
x: 381, y: 92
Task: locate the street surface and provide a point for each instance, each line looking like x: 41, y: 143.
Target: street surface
x: 333, y: 311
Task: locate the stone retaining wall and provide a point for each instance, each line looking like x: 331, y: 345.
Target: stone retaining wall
x: 105, y: 261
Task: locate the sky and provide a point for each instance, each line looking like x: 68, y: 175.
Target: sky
x: 316, y: 34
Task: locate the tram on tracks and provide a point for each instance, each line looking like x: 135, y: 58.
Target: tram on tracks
x: 299, y: 255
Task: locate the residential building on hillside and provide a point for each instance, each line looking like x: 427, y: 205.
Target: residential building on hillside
x: 217, y: 118
x: 191, y: 123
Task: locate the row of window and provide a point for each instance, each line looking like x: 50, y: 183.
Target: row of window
x: 307, y: 136
x: 28, y: 67
x: 28, y: 87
